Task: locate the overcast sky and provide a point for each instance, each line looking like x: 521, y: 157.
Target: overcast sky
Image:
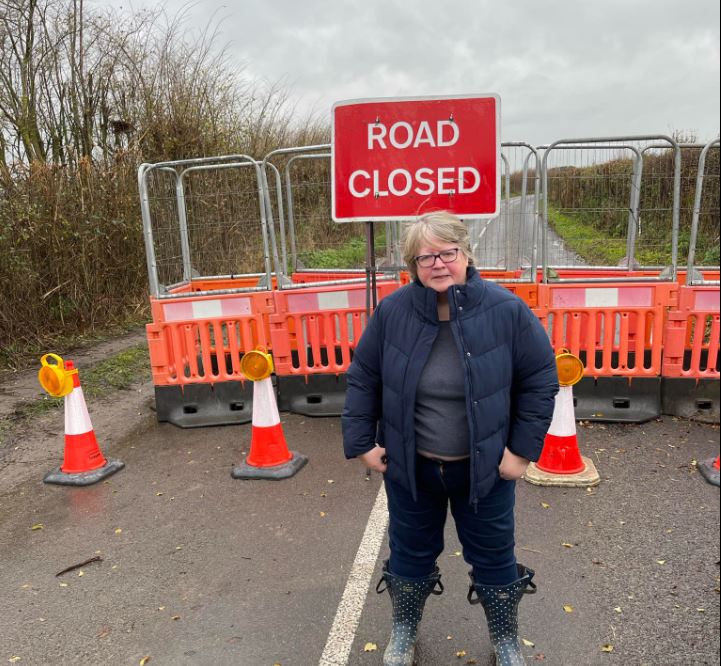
x: 563, y: 69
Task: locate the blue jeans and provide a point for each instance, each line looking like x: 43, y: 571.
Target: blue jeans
x: 416, y: 528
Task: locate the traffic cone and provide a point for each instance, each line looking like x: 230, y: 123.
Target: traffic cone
x: 561, y: 462
x: 83, y: 462
x: 269, y: 457
x: 710, y: 470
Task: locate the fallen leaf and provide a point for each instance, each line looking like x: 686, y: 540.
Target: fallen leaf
x: 118, y: 530
x: 175, y: 617
x: 701, y: 610
x: 545, y: 506
x: 618, y: 609
x: 81, y: 573
x: 12, y: 660
x: 660, y: 561
x: 144, y: 660
x: 528, y: 643
x: 456, y: 553
x: 38, y: 526
x: 324, y: 494
x: 331, y: 481
x: 370, y: 647
x: 104, y: 632
x: 568, y: 608
x: 607, y: 648
x: 63, y: 584
x: 158, y: 494
x: 461, y: 653
x: 322, y: 514
x: 567, y: 545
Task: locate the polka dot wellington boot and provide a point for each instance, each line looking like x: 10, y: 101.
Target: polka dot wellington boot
x: 408, y: 597
x: 501, y: 605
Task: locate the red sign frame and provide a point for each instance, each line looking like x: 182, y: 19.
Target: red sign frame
x: 397, y: 158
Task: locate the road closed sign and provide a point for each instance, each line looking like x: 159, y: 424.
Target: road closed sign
x: 395, y: 159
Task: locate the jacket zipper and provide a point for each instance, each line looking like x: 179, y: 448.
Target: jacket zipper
x: 466, y: 362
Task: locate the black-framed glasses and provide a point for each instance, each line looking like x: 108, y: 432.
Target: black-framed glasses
x: 428, y: 260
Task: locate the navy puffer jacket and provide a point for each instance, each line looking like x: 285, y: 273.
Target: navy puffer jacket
x: 510, y: 376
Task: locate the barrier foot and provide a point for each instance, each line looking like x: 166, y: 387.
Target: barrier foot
x: 586, y: 479
x: 274, y: 472
x: 57, y: 476
x: 710, y: 471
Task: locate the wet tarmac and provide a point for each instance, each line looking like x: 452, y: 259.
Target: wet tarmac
x: 198, y: 568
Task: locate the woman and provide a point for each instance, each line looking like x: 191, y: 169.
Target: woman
x: 450, y: 394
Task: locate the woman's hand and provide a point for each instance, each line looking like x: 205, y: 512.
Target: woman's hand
x: 512, y: 467
x: 373, y: 459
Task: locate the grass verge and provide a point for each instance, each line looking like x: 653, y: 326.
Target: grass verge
x: 23, y: 354
x: 116, y: 373
x: 595, y: 247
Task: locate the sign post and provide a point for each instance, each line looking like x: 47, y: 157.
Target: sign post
x: 395, y: 159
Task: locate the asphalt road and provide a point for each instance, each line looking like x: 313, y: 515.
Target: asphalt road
x: 199, y: 568
x: 507, y: 240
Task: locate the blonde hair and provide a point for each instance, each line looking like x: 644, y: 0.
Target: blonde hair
x: 443, y: 226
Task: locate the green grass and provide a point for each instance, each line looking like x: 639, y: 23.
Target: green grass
x: 595, y: 247
x: 351, y: 254
x: 585, y: 240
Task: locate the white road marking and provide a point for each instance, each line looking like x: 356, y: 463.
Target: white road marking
x: 347, y: 617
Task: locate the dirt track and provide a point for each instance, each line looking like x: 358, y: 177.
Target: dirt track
x: 30, y: 447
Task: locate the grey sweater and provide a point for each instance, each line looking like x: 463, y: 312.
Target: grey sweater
x: 441, y: 418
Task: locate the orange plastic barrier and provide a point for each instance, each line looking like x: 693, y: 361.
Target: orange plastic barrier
x: 314, y: 331
x: 691, y: 337
x: 201, y: 339
x: 309, y: 278
x: 615, y: 328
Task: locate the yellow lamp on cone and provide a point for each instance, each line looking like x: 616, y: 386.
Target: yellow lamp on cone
x: 570, y: 368
x: 53, y: 376
x: 257, y: 364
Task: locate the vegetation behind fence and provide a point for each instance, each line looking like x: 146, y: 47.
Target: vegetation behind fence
x: 588, y: 207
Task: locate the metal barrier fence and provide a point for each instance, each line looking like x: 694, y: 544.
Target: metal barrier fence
x: 702, y: 180
x: 645, y: 333
x: 204, y: 218
x: 606, y: 176
x: 640, y: 190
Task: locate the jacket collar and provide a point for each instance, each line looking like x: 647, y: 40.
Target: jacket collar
x: 468, y: 295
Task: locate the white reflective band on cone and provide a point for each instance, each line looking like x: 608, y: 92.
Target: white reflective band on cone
x: 77, y: 419
x: 564, y: 417
x: 265, y: 408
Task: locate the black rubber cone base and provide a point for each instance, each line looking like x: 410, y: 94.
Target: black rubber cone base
x: 709, y: 471
x: 275, y: 473
x: 84, y: 478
